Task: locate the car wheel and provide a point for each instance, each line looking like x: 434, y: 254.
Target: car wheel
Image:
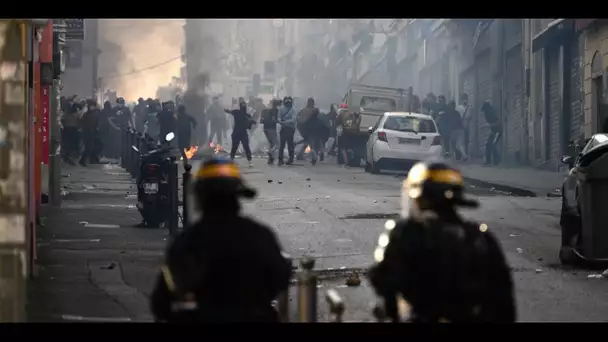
x: 567, y: 255
x: 374, y: 169
x: 570, y: 234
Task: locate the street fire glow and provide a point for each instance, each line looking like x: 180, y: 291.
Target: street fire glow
x: 191, y: 151
x: 216, y: 147
x: 307, y: 150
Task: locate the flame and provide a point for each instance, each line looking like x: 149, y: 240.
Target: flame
x: 307, y: 150
x: 216, y: 147
x: 191, y: 151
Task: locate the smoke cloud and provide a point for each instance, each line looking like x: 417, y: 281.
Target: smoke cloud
x: 130, y: 45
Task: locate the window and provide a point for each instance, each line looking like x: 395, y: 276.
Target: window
x: 378, y: 103
x: 410, y: 124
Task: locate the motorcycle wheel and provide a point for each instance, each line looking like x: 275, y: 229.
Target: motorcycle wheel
x: 151, y: 218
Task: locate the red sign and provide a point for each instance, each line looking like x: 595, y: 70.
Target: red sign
x: 44, y: 129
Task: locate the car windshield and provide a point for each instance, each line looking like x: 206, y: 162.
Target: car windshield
x: 378, y: 103
x: 410, y: 124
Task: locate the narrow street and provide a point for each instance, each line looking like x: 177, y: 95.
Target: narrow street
x: 94, y: 266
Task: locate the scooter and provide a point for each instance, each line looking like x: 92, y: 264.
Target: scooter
x: 153, y: 184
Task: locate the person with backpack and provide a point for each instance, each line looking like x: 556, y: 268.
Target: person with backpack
x: 434, y: 266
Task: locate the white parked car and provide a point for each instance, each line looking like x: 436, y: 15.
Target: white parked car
x: 400, y: 139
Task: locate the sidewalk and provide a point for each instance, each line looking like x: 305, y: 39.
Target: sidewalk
x: 524, y: 181
x: 93, y: 264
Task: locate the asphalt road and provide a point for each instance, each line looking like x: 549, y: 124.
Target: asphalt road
x: 90, y: 253
x: 325, y: 211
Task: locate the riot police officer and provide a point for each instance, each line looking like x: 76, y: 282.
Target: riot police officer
x: 226, y: 267
x: 434, y: 266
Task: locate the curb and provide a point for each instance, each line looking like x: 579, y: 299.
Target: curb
x: 515, y: 191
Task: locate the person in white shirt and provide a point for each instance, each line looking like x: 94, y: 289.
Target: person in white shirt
x: 465, y: 112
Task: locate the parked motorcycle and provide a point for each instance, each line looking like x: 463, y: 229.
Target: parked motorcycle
x: 153, y: 189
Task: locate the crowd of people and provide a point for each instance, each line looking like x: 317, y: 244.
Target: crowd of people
x: 90, y: 133
x: 455, y: 124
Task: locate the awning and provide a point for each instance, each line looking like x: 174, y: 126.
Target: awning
x: 552, y: 33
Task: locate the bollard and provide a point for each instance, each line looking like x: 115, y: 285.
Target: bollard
x: 127, y: 147
x: 283, y: 299
x: 307, y: 291
x: 135, y: 157
x: 336, y: 306
x: 137, y: 166
x: 172, y: 200
x: 131, y: 152
x: 185, y: 188
x: 123, y: 143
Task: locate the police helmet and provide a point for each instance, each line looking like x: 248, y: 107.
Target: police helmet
x: 120, y: 100
x: 218, y: 177
x: 434, y: 185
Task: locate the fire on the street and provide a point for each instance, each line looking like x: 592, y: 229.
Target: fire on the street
x: 191, y: 151
x: 307, y: 150
x: 216, y: 147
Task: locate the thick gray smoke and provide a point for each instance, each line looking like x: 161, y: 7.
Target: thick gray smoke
x: 130, y: 45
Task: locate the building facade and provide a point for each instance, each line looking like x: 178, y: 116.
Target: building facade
x: 530, y: 70
x: 595, y: 64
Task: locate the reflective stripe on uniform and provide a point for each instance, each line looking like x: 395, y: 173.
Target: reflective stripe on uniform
x: 184, y: 306
x: 168, y: 278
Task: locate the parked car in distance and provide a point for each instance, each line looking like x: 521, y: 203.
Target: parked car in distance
x: 399, y: 139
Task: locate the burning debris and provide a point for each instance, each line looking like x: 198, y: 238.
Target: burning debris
x: 307, y: 150
x: 190, y: 152
x: 216, y: 147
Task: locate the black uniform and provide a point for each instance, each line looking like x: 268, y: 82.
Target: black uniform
x: 123, y: 116
x: 445, y: 268
x: 225, y: 268
x: 232, y: 279
x: 447, y: 272
x: 141, y: 114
